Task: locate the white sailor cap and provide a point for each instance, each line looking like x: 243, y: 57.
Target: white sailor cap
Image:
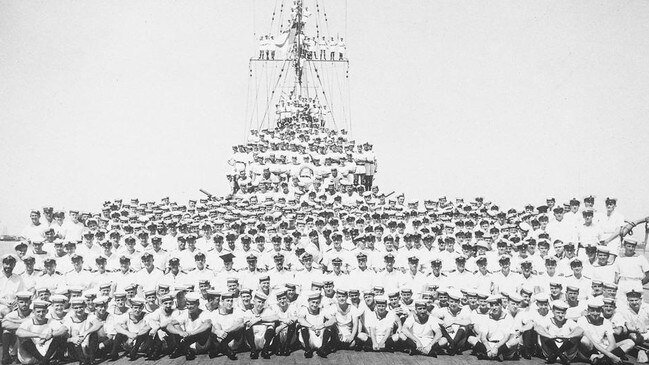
x: 596, y: 303
x: 192, y: 297
x: 560, y: 305
x: 455, y: 294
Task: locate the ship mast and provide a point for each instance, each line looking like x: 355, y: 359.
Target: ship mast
x: 299, y: 53
x: 299, y: 74
x: 298, y: 48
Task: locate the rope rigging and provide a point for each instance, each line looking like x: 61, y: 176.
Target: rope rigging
x: 317, y: 58
x: 272, y: 93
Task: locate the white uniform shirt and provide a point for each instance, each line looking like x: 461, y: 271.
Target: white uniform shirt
x: 189, y: 324
x: 380, y: 325
x: 9, y: 286
x: 599, y: 333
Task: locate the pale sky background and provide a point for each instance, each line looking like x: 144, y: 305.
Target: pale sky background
x: 512, y: 100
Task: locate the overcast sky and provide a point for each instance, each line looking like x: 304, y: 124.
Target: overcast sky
x: 515, y: 101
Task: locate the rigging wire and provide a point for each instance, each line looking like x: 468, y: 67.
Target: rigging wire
x: 345, y: 18
x: 324, y: 12
x: 349, y: 104
x: 256, y: 107
x: 317, y: 21
x: 278, y: 95
x: 272, y: 19
x: 273, y: 92
x: 342, y: 103
x: 245, y: 134
x: 325, y: 95
x: 281, y: 17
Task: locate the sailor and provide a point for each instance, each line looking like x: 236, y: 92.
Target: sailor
x: 308, y: 274
x: 631, y: 269
x: 505, y: 280
x: 322, y: 46
x: 589, y: 233
x: 10, y: 284
x: 227, y: 327
x: 346, y: 327
x: 212, y: 300
x: 99, y: 276
x: 381, y: 324
x: 610, y: 223
x: 496, y: 332
x: 213, y: 259
x: 559, y: 335
x: 482, y: 278
x: 201, y: 273
x: 176, y: 277
x: 259, y: 322
x: 149, y: 275
x: 10, y: 324
x: 34, y: 231
x: 389, y: 277
x: 150, y: 301
x: 124, y: 276
x: 341, y: 49
x: 414, y: 278
x: 88, y: 248
x: 279, y: 275
x: 602, y: 269
x: 249, y: 277
x: 461, y: 277
x: 437, y: 277
x: 82, y: 329
x: 337, y: 276
x: 636, y: 317
x: 454, y: 319
x: 328, y: 293
x: 191, y: 326
x: 40, y: 337
x: 315, y: 326
x: 617, y: 320
x: 132, y: 331
x: 78, y: 276
x: 422, y: 331
x: 159, y: 254
x: 598, y: 341
x: 285, y: 330
x: 158, y: 321
x: 111, y: 259
x: 39, y: 254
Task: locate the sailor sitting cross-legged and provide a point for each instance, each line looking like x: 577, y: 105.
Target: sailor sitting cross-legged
x: 346, y: 327
x: 287, y: 324
x: 82, y: 331
x: 190, y: 326
x: 40, y: 337
x: 598, y: 343
x: 260, y: 326
x: 422, y: 331
x: 559, y: 335
x: 454, y: 319
x: 315, y: 325
x: 132, y: 331
x: 381, y: 324
x: 496, y: 332
x: 227, y: 328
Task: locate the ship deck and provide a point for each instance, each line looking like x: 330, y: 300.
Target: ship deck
x: 339, y: 358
